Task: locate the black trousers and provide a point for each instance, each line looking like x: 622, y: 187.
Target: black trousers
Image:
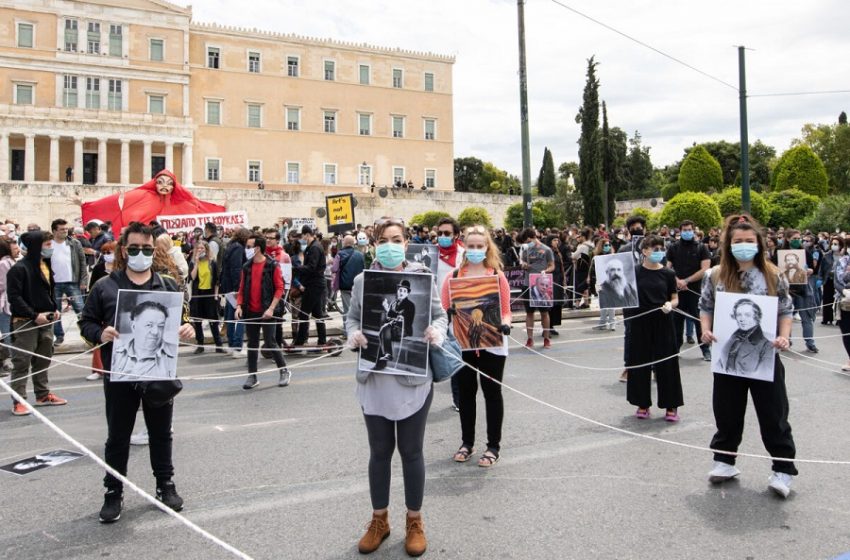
x: 650, y: 339
x: 844, y: 325
x: 689, y: 303
x: 311, y: 305
x: 771, y: 401
x: 254, y: 323
x: 828, y: 301
x: 494, y: 366
x: 122, y: 403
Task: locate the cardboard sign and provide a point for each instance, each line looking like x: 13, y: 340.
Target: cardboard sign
x: 478, y: 316
x: 188, y: 222
x: 340, y: 210
x: 516, y: 281
x: 745, y: 327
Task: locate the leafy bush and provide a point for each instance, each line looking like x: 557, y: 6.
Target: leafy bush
x: 831, y: 214
x: 474, y: 215
x: 800, y: 167
x: 790, y: 206
x: 429, y: 218
x: 697, y: 207
x: 700, y: 172
x: 544, y: 213
x: 729, y: 202
x: 669, y: 190
x: 619, y: 222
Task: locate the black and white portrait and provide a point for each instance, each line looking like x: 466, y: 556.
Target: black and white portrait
x: 396, y: 311
x: 146, y: 348
x: 41, y: 461
x: 745, y: 327
x: 616, y: 281
x: 424, y: 253
x: 792, y: 265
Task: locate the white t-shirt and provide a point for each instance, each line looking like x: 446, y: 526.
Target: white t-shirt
x: 60, y: 262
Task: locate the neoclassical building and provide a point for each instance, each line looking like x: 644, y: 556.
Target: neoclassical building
x: 111, y: 91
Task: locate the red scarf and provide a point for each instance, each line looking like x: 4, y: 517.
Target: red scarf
x: 449, y: 255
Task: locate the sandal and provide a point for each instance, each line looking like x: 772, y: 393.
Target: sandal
x: 463, y: 453
x: 488, y: 458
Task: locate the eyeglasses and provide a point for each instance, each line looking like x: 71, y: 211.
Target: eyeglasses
x: 446, y: 233
x: 381, y: 222
x: 272, y: 238
x: 146, y: 250
x: 476, y: 229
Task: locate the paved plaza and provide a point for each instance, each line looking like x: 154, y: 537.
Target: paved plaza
x: 281, y: 472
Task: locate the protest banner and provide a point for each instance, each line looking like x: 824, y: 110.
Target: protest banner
x: 188, y: 222
x: 516, y: 281
x: 340, y: 209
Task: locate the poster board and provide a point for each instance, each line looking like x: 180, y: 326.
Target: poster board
x: 188, y: 222
x: 478, y: 312
x: 340, y: 212
x: 792, y: 265
x: 424, y: 253
x: 540, y: 290
x: 745, y: 328
x: 616, y: 281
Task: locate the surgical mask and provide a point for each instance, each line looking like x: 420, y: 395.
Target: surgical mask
x: 476, y: 256
x: 390, y: 255
x: 249, y: 253
x: 796, y: 243
x: 139, y: 263
x: 362, y: 240
x: 687, y: 235
x: 621, y: 237
x: 109, y: 258
x: 745, y: 252
x: 303, y: 244
x: 201, y: 255
x: 836, y: 248
x: 807, y: 244
x: 606, y: 248
x: 46, y: 253
x: 657, y: 256
x: 445, y: 242
x: 527, y: 246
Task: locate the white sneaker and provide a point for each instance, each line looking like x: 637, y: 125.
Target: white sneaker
x: 139, y: 439
x: 7, y: 365
x: 612, y: 327
x: 780, y: 483
x: 241, y: 353
x: 94, y: 377
x: 722, y: 472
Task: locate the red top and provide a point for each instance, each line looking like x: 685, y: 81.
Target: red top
x: 255, y: 295
x: 504, y: 292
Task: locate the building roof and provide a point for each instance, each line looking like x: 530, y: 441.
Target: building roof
x: 159, y: 6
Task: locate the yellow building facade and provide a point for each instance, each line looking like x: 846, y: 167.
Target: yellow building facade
x: 111, y: 91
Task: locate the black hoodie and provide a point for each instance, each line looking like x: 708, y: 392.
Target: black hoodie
x: 28, y: 291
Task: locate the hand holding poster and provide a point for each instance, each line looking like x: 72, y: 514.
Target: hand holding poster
x: 188, y: 222
x: 478, y: 312
x: 745, y: 327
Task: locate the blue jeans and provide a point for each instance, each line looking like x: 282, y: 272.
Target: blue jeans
x: 690, y: 327
x: 803, y: 304
x: 72, y: 290
x: 5, y: 329
x: 235, y: 331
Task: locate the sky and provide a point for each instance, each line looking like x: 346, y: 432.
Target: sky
x: 797, y: 47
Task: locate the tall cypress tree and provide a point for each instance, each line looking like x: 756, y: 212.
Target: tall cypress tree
x: 610, y: 166
x: 589, y: 149
x: 546, y: 179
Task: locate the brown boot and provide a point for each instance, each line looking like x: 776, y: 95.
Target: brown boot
x: 376, y: 531
x: 415, y: 543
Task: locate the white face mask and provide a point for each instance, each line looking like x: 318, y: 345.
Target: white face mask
x: 249, y: 253
x: 139, y: 263
x: 109, y: 259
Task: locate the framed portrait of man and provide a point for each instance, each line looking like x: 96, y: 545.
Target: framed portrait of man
x: 616, y: 282
x: 147, y: 323
x: 792, y: 265
x: 478, y: 312
x: 540, y: 290
x: 745, y: 328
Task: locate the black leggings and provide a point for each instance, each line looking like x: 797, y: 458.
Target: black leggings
x: 844, y: 325
x: 382, y: 444
x: 494, y: 366
x: 254, y: 323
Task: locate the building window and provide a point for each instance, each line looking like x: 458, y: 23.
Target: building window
x: 330, y: 121
x: 213, y: 169
x: 293, y: 118
x: 398, y: 175
x: 293, y: 173
x: 92, y: 93
x: 213, y: 112
x: 157, y: 50
x: 365, y: 174
x: 26, y: 32
x: 431, y: 178
x: 398, y: 127
x: 115, y: 99
x: 255, y: 171
x: 330, y: 70
x: 93, y: 38
x: 213, y: 54
x: 255, y: 115
x: 429, y: 81
x: 398, y: 78
x: 364, y: 124
x: 292, y: 66
x: 156, y: 104
x: 71, y: 35
x: 430, y: 129
x: 69, y: 91
x: 365, y: 71
x: 24, y: 94
x: 116, y: 48
x: 330, y: 174
x: 254, y: 62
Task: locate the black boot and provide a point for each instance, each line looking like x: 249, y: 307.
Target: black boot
x: 167, y: 494
x: 113, y: 501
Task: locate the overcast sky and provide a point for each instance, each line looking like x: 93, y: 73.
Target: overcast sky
x: 798, y: 46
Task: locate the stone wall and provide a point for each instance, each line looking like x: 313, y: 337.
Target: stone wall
x: 41, y: 202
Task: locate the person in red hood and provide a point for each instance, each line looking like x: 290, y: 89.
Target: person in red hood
x: 161, y: 196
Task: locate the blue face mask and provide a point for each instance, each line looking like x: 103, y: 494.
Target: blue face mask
x: 606, y: 248
x: 476, y: 256
x: 657, y: 256
x: 390, y: 255
x: 745, y: 252
x: 47, y: 253
x: 687, y: 235
x: 303, y: 244
x: 445, y: 242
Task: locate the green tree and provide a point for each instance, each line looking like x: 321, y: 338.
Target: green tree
x: 546, y: 179
x: 700, y: 172
x: 589, y: 151
x: 429, y: 218
x: 695, y: 206
x: 831, y: 213
x: 568, y: 168
x: 639, y: 169
x: 466, y: 171
x: 614, y: 161
x: 800, y: 167
x: 544, y: 213
x: 474, y: 215
x: 729, y: 202
x: 831, y: 143
x: 788, y: 207
x: 761, y: 157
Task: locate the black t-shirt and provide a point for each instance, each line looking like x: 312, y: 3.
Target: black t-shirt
x: 654, y: 287
x: 686, y: 258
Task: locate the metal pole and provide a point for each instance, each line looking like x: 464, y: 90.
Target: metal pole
x: 523, y: 112
x: 745, y: 143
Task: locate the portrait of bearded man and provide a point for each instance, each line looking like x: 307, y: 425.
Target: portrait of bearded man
x: 616, y: 290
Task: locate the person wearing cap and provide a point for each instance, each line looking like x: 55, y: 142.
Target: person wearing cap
x: 311, y: 274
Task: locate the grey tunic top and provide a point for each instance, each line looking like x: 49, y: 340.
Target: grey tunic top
x: 395, y: 397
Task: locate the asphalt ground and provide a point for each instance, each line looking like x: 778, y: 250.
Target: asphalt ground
x: 282, y: 472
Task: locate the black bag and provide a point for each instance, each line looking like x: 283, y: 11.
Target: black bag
x: 159, y: 393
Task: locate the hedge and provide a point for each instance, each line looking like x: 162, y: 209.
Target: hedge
x: 700, y: 172
x: 429, y: 218
x: 474, y: 215
x: 800, y: 167
x: 700, y: 208
x: 790, y: 206
x: 729, y: 202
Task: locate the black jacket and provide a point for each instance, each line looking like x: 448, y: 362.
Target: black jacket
x: 312, y: 273
x: 213, y: 273
x: 29, y: 293
x: 231, y: 267
x: 270, y: 268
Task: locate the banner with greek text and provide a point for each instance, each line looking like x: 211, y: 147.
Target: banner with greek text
x: 188, y: 222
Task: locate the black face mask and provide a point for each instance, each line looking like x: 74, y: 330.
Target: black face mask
x: 636, y: 231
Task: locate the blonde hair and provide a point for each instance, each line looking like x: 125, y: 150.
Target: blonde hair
x: 493, y: 257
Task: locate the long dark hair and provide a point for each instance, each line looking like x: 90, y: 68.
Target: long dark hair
x: 729, y: 265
